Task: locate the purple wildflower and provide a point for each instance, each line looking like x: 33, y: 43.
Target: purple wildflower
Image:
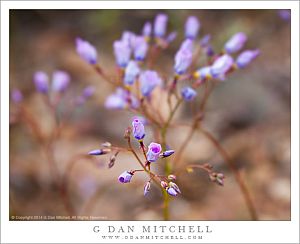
x: 166, y: 153
x: 86, y: 51
x: 235, y: 43
x: 122, y: 53
x: 98, y: 152
x: 88, y: 91
x: 192, y: 26
x: 121, y: 99
x: 149, y: 80
x: 188, y: 93
x: 16, y: 96
x: 60, y: 81
x: 183, y: 60
x: 154, y: 150
x: 171, y: 37
x: 140, y: 48
x: 131, y: 72
x: 125, y: 177
x: 221, y: 65
x: 205, y: 40
x: 175, y: 187
x: 187, y: 44
x: 160, y: 25
x: 285, y: 14
x: 128, y: 38
x: 246, y: 57
x: 147, y: 29
x: 41, y: 81
x: 141, y: 118
x: 138, y: 129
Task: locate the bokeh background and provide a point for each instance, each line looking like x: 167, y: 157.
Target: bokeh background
x: 249, y: 114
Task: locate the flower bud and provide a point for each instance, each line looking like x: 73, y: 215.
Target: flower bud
x: 131, y: 72
x: 205, y: 40
x: 140, y: 48
x: 147, y: 188
x: 125, y: 177
x: 164, y: 184
x: 122, y: 53
x: 98, y: 152
x: 188, y: 93
x: 183, y: 60
x: 147, y: 29
x: 171, y: 191
x: 138, y: 129
x: 112, y: 161
x: 171, y: 37
x: 127, y: 133
x: 246, y: 58
x: 41, y: 82
x: 160, y: 25
x: 60, y: 81
x: 220, y: 179
x: 175, y: 187
x: 88, y: 91
x: 166, y: 153
x: 86, y: 51
x: 235, y: 43
x: 192, y: 26
x: 221, y: 65
x: 149, y: 80
x: 171, y: 177
x: 106, y: 144
x: 154, y: 150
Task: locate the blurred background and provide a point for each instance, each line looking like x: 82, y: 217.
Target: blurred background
x: 249, y: 113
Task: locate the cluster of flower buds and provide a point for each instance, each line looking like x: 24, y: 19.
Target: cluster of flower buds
x: 217, y: 178
x: 171, y: 187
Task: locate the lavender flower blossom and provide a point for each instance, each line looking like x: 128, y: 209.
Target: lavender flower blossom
x: 98, y: 152
x: 221, y: 66
x: 285, y: 14
x: 160, y: 25
x: 141, y: 118
x: 138, y: 129
x: 41, y: 82
x: 147, y: 188
x: 60, y: 81
x: 121, y: 99
x: 154, y: 150
x: 171, y: 191
x: 183, y: 60
x: 88, y: 91
x: 246, y: 58
x: 128, y: 38
x: 140, y: 48
x: 16, y: 96
x: 131, y: 72
x: 149, y: 80
x: 175, y: 187
x: 188, y: 93
x: 235, y: 43
x: 125, y: 177
x: 192, y: 27
x: 147, y: 29
x: 187, y: 44
x: 203, y: 73
x: 166, y: 153
x: 86, y: 51
x: 122, y: 53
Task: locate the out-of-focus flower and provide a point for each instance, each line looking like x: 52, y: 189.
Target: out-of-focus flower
x: 285, y: 14
x: 16, y: 96
x: 205, y: 40
x: 140, y: 118
x: 154, y: 150
x: 98, y: 152
x: 192, y: 26
x: 188, y: 93
x: 166, y: 153
x: 175, y: 187
x: 140, y: 48
x: 88, y: 91
x: 235, y: 43
x: 122, y: 53
x: 86, y: 51
x: 209, y: 51
x: 147, y: 29
x: 131, y: 72
x: 125, y: 177
x: 138, y: 129
x: 246, y: 57
x: 128, y: 37
x: 60, y: 81
x: 217, y: 178
x: 149, y: 80
x: 183, y: 60
x: 160, y: 25
x: 164, y: 184
x: 171, y: 177
x: 187, y: 44
x: 121, y: 99
x: 147, y: 188
x: 203, y: 73
x: 171, y: 37
x: 41, y: 81
x: 221, y: 65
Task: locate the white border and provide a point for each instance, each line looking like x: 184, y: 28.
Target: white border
x: 81, y: 232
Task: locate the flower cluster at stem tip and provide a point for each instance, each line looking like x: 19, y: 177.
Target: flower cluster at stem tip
x: 153, y: 154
